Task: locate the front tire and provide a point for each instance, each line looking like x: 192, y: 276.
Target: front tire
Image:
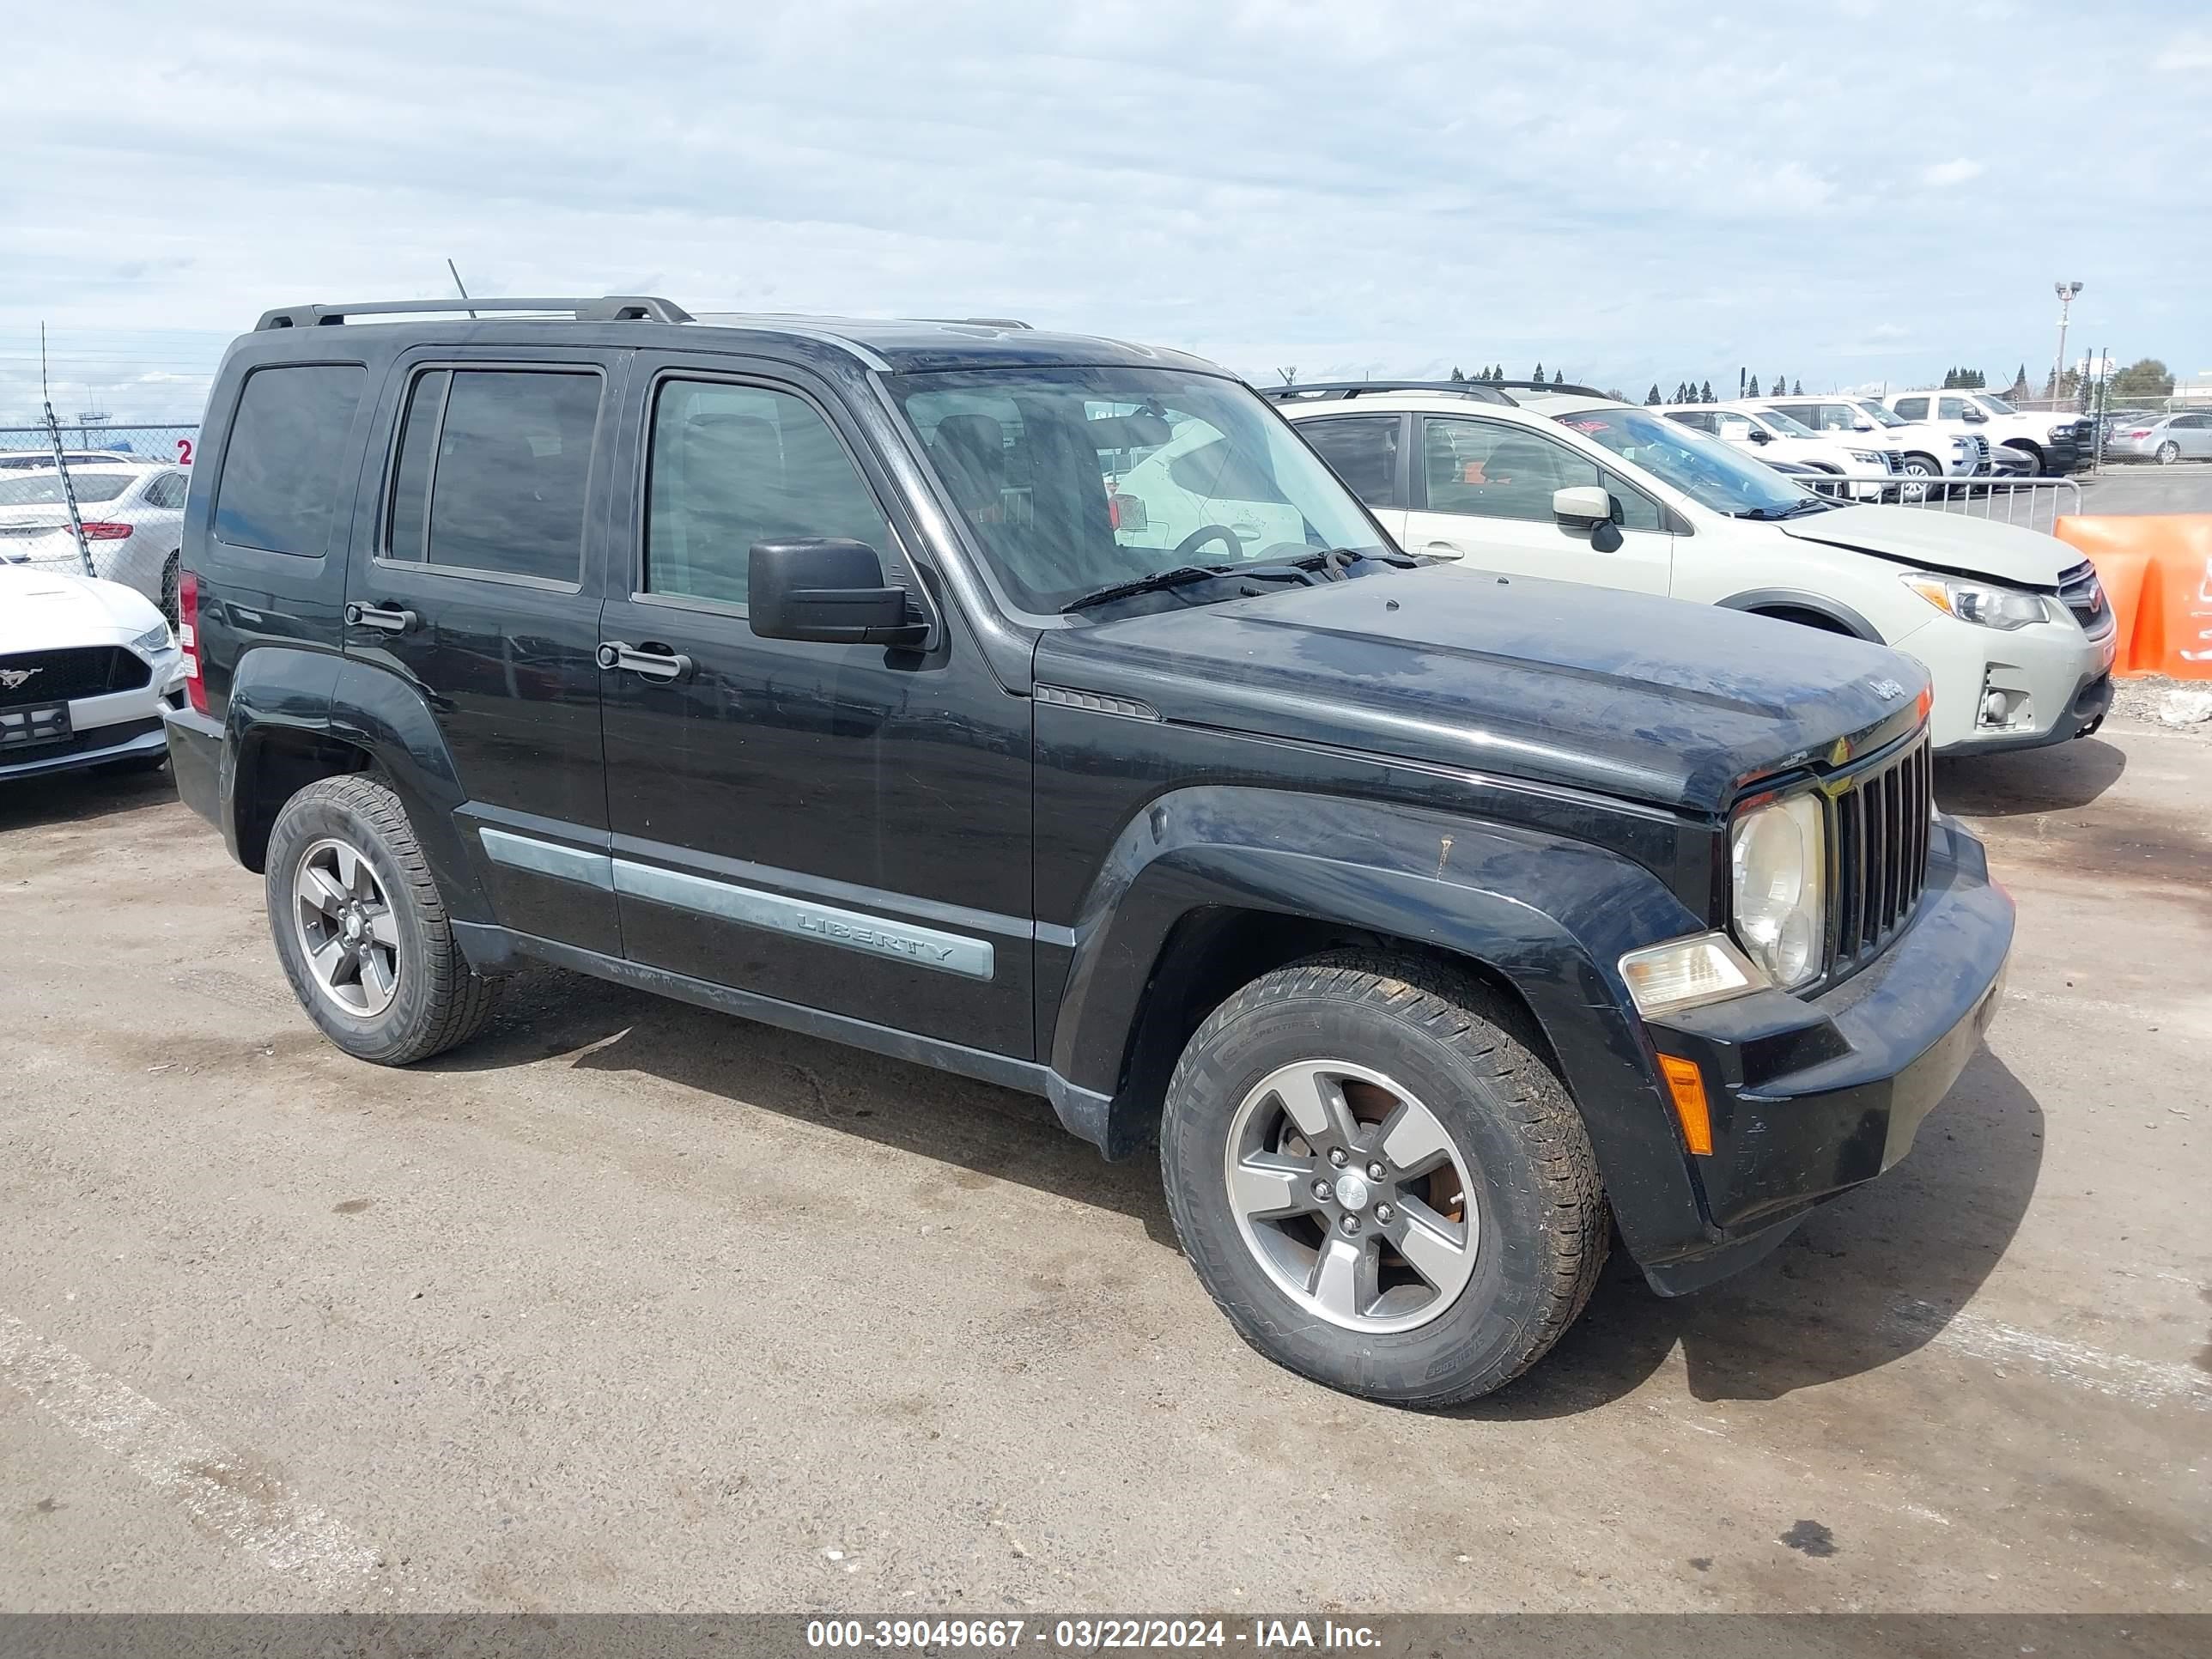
x: 1378, y: 1180
x: 362, y: 930
x: 2035, y: 467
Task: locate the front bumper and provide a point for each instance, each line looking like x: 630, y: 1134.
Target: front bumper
x: 1810, y: 1096
x: 119, y: 726
x: 2055, y: 682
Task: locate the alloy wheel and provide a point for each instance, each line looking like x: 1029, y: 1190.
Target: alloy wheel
x: 347, y: 930
x: 1350, y: 1194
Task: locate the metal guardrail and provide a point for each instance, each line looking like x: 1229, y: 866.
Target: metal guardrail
x: 2031, y: 503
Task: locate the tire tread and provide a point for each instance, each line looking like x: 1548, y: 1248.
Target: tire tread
x: 1458, y: 1010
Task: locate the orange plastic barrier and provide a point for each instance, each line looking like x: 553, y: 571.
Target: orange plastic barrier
x: 2156, y: 569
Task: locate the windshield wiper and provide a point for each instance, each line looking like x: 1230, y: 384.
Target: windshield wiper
x: 1803, y: 504
x: 1331, y: 564
x: 1158, y: 582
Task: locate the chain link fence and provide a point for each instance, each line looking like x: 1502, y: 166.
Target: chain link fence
x: 103, y: 500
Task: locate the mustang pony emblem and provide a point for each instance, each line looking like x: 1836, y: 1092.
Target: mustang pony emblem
x: 13, y: 677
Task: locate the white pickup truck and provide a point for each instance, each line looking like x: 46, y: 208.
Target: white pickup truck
x: 2057, y: 443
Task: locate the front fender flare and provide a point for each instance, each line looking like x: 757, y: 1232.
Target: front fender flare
x: 1549, y: 913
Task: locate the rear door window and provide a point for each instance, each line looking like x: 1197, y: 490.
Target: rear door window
x: 282, y: 466
x: 1362, y: 450
x: 1911, y: 409
x: 492, y: 472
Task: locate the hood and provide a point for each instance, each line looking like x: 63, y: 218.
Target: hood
x: 1943, y: 541
x: 1649, y: 699
x: 45, y: 609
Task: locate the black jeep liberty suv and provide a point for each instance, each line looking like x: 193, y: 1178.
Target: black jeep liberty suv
x: 1041, y: 707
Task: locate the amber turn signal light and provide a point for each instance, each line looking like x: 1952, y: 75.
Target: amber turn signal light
x: 1686, y: 1084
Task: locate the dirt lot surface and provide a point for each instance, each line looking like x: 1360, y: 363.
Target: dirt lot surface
x: 630, y: 1305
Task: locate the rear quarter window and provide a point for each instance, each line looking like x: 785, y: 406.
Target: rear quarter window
x: 282, y: 466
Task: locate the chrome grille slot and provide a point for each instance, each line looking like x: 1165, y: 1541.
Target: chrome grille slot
x: 1879, y: 827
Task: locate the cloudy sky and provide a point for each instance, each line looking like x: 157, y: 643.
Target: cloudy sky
x: 1844, y: 193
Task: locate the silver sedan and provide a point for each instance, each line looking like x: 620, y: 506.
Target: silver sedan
x: 2186, y: 436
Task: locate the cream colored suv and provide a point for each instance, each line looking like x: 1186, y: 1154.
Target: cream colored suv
x: 1569, y: 484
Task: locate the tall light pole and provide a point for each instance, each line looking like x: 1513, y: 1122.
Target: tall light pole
x: 2066, y: 293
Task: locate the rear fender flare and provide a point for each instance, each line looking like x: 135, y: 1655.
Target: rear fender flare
x: 321, y: 694
x: 1551, y: 915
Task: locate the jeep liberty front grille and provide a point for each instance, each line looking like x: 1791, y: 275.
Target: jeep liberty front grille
x: 1879, y: 825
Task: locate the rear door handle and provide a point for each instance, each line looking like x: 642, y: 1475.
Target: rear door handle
x: 379, y: 616
x: 649, y: 662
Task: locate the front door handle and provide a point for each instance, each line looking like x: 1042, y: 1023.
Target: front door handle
x: 1444, y: 550
x: 648, y: 662
x: 379, y: 616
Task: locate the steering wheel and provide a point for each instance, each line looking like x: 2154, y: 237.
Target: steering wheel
x: 1210, y: 533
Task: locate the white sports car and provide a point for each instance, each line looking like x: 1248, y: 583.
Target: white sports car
x: 85, y: 668
x: 133, y: 513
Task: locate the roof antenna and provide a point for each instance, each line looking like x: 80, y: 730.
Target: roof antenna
x: 457, y: 286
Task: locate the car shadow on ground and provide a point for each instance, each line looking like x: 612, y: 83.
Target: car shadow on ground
x: 975, y: 1127
x: 1863, y: 1281
x: 2029, y: 780
x: 78, y: 797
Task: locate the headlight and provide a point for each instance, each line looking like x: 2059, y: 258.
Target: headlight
x: 152, y: 640
x: 1779, y: 861
x: 1983, y: 603
x: 2059, y: 434
x: 1687, y: 973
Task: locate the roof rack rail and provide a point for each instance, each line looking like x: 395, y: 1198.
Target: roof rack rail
x: 982, y: 322
x: 1550, y: 385
x: 1481, y: 392
x: 606, y: 308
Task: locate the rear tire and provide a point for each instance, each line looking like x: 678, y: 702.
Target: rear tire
x: 362, y: 929
x: 2168, y: 452
x: 1451, y: 1065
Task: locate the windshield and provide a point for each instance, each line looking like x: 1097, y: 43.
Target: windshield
x: 1709, y: 472
x: 44, y: 489
x: 1878, y: 414
x: 1995, y: 405
x: 1075, y: 479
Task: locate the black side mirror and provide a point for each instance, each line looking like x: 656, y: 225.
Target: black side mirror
x: 1759, y: 435
x: 831, y: 590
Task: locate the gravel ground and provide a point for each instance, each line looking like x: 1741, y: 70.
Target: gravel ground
x: 631, y: 1306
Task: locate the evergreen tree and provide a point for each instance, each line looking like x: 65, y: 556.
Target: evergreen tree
x: 1950, y: 380
x: 1538, y: 375
x: 1777, y: 383
x: 1797, y: 388
x: 2018, y: 383
x: 1654, y: 400
x: 1559, y: 377
x: 1455, y: 375
x: 1705, y: 392
x: 1753, y: 393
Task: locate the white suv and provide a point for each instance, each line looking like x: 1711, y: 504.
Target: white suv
x: 1569, y: 484
x: 1778, y: 438
x: 1923, y: 451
